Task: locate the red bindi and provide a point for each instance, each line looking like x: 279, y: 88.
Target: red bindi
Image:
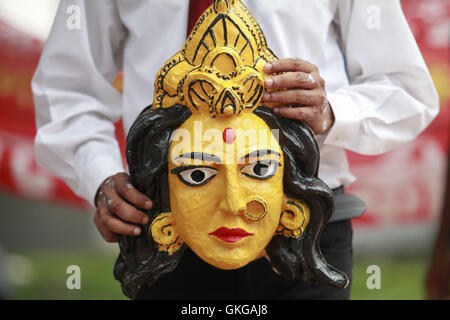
x: 229, y: 135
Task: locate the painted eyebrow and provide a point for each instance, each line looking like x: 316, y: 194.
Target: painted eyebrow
x: 260, y: 153
x: 200, y: 156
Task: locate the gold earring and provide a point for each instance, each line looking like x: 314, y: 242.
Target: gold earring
x: 164, y: 233
x: 256, y: 209
x: 294, y: 218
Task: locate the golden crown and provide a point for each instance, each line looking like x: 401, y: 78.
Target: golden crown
x: 219, y: 71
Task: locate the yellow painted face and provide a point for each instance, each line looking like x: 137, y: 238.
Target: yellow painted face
x: 226, y: 187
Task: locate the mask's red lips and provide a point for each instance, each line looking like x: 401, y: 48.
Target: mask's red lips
x: 230, y: 235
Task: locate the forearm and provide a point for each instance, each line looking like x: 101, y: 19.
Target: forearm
x: 390, y: 98
x: 373, y: 118
x: 75, y: 104
x: 82, y: 151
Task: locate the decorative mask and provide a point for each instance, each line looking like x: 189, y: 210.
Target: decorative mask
x: 228, y: 178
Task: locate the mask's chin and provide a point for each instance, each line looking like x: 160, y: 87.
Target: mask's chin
x: 262, y: 254
x: 229, y: 261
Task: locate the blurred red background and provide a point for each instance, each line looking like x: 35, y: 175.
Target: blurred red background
x: 403, y: 187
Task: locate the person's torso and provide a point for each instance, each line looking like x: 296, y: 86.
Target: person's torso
x: 293, y: 28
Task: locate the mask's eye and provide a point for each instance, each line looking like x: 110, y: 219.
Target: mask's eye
x: 262, y: 170
x: 195, y: 175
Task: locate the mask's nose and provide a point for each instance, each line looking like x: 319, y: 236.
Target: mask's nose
x: 232, y: 201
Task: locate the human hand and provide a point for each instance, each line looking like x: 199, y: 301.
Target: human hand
x: 305, y: 93
x: 113, y: 211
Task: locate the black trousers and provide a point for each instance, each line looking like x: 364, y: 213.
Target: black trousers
x: 195, y: 279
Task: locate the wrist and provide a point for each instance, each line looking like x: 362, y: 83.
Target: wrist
x: 98, y: 192
x: 329, y: 118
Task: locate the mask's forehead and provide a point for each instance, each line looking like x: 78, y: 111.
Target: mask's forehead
x: 229, y: 141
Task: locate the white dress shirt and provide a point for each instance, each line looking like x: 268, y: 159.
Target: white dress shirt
x: 377, y: 82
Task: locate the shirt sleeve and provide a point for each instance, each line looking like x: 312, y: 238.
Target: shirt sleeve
x: 76, y: 105
x: 390, y: 98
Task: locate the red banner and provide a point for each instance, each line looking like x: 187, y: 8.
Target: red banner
x: 19, y: 173
x: 405, y: 187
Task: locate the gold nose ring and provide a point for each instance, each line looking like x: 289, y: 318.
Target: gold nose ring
x: 256, y: 209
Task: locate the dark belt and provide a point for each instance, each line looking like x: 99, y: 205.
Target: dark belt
x: 347, y: 206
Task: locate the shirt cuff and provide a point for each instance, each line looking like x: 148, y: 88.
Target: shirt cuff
x: 346, y: 121
x: 97, y: 167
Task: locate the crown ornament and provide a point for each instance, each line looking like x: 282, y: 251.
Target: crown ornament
x: 219, y: 70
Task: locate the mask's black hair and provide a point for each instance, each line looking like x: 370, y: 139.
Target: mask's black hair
x: 147, y: 151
